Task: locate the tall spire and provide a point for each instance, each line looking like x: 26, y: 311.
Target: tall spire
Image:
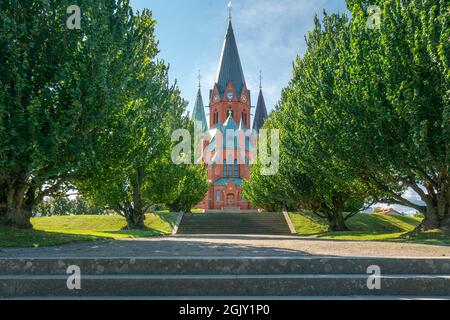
x: 198, y: 115
x: 230, y: 67
x: 261, y: 113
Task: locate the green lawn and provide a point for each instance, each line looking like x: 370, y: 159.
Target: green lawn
x: 50, y: 231
x: 368, y: 227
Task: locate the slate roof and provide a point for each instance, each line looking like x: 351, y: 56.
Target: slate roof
x: 224, y: 182
x: 198, y: 115
x: 261, y: 113
x: 230, y: 67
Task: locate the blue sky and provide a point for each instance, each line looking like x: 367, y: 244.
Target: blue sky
x: 270, y: 33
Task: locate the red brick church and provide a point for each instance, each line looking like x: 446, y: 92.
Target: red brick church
x: 230, y: 110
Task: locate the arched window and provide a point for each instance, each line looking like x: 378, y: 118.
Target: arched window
x: 230, y: 169
x: 217, y: 196
x: 236, y: 168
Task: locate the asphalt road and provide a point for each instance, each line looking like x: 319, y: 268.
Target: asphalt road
x: 230, y: 246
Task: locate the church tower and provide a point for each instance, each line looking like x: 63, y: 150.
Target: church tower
x: 229, y: 111
x: 230, y: 95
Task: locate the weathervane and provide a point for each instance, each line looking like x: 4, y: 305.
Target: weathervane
x: 199, y: 78
x: 230, y: 8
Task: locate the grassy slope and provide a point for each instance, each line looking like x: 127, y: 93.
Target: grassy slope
x: 60, y: 230
x: 368, y: 227
x: 51, y: 231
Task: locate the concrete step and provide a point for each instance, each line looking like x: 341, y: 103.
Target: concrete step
x: 234, y: 223
x: 224, y: 266
x: 214, y: 285
x: 224, y: 276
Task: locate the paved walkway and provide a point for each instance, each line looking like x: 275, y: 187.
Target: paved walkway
x: 227, y: 246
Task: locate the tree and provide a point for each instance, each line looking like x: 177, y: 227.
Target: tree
x: 308, y: 108
x: 180, y: 186
x: 304, y: 181
x: 57, y: 90
x: 274, y: 192
x: 370, y: 107
x: 400, y: 124
x: 61, y: 206
x: 133, y: 169
x: 191, y: 188
x: 129, y: 160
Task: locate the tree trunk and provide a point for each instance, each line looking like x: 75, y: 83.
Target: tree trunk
x: 175, y: 207
x: 135, y: 220
x: 18, y: 197
x: 18, y: 209
x: 336, y: 222
x: 437, y: 215
x: 431, y: 221
x: 335, y: 216
x: 135, y: 214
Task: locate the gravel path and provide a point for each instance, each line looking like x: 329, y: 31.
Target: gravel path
x: 226, y: 246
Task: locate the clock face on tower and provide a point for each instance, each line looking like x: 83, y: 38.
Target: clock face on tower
x: 230, y: 96
x: 244, y: 98
x: 216, y: 98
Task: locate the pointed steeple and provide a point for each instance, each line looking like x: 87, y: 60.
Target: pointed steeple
x: 230, y: 67
x: 199, y: 116
x: 261, y: 112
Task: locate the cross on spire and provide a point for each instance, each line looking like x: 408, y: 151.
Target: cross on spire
x: 230, y: 9
x: 260, y: 79
x: 199, y: 78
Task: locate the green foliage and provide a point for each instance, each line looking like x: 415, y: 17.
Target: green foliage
x: 133, y: 168
x: 398, y: 129
x: 367, y: 113
x: 62, y: 206
x: 59, y: 90
x: 309, y: 177
x: 178, y: 186
x: 90, y: 108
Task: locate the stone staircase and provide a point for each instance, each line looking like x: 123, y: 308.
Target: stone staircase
x: 235, y: 223
x: 280, y: 277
